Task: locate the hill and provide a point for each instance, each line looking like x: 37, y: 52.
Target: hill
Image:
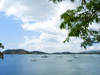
x: 16, y: 51
x: 91, y: 52
x: 38, y: 52
x: 21, y: 51
x: 62, y: 53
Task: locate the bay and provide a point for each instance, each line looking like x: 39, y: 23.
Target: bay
x: 52, y: 65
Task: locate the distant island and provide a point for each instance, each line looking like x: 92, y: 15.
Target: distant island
x: 22, y: 51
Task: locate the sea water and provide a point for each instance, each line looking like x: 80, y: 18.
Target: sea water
x: 52, y: 65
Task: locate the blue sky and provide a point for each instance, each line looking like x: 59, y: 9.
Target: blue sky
x: 34, y: 25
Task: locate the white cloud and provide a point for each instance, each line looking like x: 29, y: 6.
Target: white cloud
x: 33, y: 10
x: 94, y: 26
x: 51, y: 43
x: 51, y: 38
x: 28, y: 10
x: 48, y: 27
x: 26, y: 37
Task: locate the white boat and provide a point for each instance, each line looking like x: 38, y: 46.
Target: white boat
x: 59, y: 57
x: 69, y: 60
x: 76, y: 56
x: 12, y: 54
x: 33, y: 60
x: 44, y: 56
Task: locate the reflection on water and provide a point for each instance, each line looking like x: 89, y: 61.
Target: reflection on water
x: 22, y: 65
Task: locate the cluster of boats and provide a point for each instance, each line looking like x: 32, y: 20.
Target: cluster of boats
x: 41, y: 56
x: 68, y: 60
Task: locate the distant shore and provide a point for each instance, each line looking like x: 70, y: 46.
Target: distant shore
x: 22, y: 51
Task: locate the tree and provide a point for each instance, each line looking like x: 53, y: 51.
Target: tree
x: 1, y: 54
x: 77, y: 21
x: 1, y: 46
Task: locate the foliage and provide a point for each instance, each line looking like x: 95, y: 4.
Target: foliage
x: 1, y: 45
x: 1, y: 54
x: 77, y: 21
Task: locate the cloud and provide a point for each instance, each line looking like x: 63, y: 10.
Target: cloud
x: 94, y: 26
x: 47, y: 27
x: 51, y: 43
x: 26, y: 37
x: 33, y: 10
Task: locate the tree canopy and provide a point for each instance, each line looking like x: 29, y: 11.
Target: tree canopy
x: 77, y: 21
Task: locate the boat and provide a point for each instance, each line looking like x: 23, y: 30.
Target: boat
x: 69, y: 60
x: 33, y: 60
x: 44, y: 56
x: 59, y: 57
x: 12, y: 53
x: 76, y: 56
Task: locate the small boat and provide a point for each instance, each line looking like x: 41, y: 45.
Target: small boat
x: 76, y: 56
x: 33, y: 60
x: 12, y: 55
x: 44, y: 56
x: 69, y: 60
x: 59, y: 57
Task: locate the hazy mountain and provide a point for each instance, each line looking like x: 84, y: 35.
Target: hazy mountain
x: 38, y: 52
x: 91, y: 52
x: 66, y: 53
x: 62, y: 53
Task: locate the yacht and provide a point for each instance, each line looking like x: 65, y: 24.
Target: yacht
x: 33, y: 60
x: 69, y: 60
x: 44, y: 56
x: 76, y: 56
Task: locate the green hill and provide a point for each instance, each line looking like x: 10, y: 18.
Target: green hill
x: 16, y: 51
x: 21, y: 51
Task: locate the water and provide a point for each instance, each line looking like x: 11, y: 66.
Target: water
x: 22, y: 65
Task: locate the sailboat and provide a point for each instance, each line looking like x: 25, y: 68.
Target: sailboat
x: 69, y: 60
x: 12, y: 53
x: 76, y: 56
x: 44, y: 56
x: 34, y: 59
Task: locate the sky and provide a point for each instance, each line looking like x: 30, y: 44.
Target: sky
x: 35, y: 25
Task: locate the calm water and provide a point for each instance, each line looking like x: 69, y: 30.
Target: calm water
x: 22, y: 65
